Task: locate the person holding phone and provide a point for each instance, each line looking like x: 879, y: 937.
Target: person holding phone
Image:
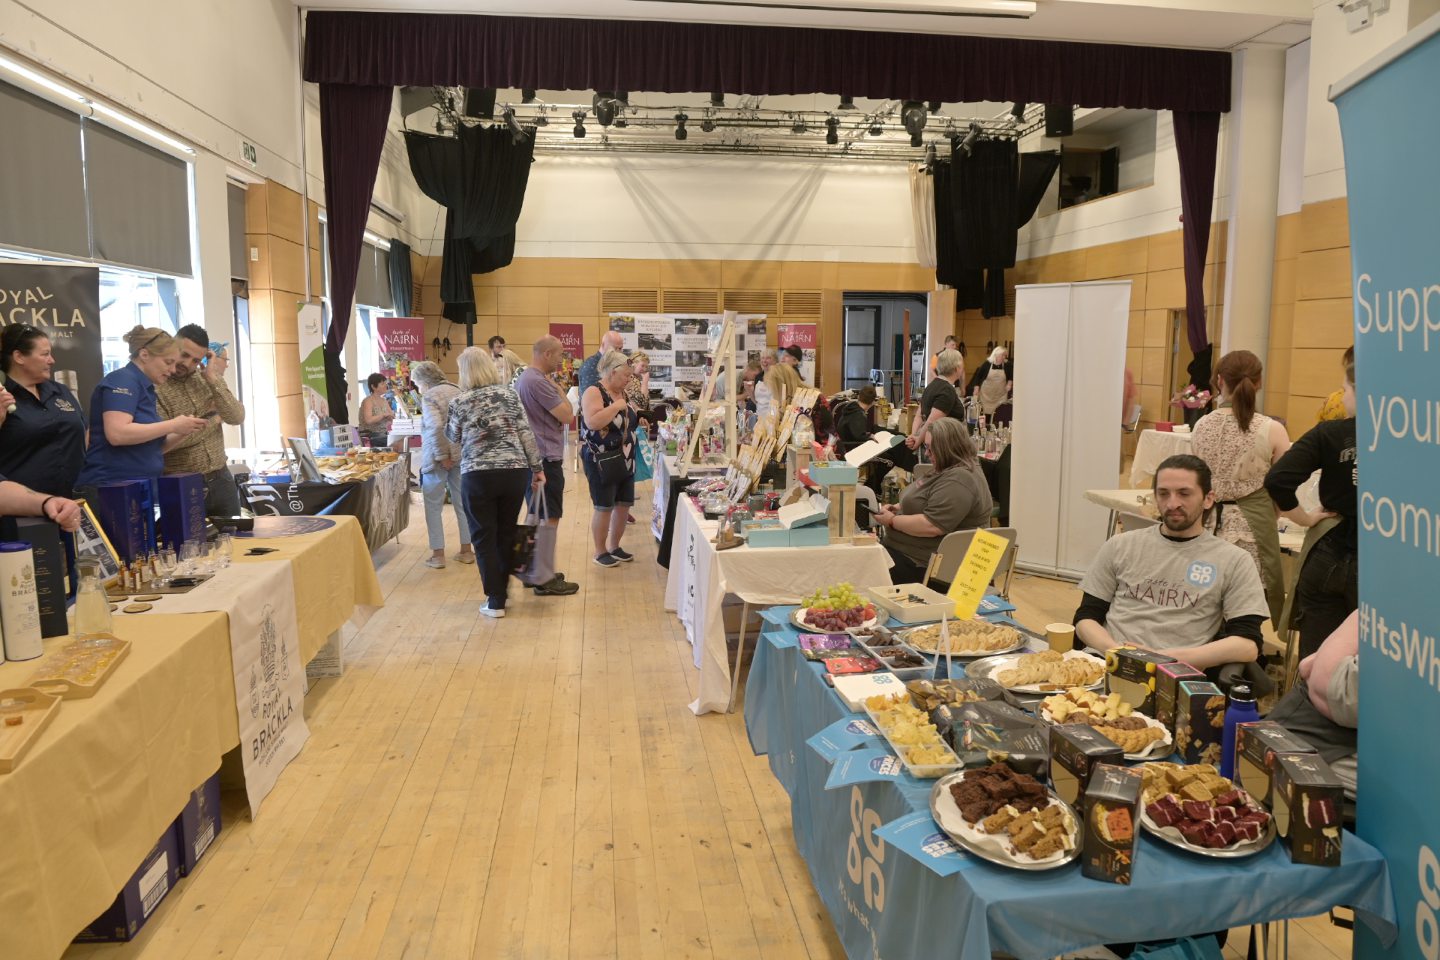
x: 197, y: 388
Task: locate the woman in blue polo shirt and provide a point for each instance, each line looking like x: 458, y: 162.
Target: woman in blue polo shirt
x: 42, y: 443
x: 128, y: 439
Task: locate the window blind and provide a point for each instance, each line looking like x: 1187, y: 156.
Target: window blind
x: 239, y: 249
x: 139, y: 203
x: 372, y: 286
x: 42, y: 181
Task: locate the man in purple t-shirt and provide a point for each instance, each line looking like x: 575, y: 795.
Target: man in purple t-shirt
x: 549, y: 412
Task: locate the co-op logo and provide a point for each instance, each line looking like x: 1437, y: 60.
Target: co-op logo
x: 864, y: 865
x: 1427, y: 925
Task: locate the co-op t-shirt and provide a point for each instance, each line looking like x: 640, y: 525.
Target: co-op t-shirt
x: 1167, y: 593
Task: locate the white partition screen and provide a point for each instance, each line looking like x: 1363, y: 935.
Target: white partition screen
x: 1069, y: 379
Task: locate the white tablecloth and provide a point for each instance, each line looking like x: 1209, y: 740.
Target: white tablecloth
x: 665, y: 469
x: 1152, y: 448
x: 701, y: 577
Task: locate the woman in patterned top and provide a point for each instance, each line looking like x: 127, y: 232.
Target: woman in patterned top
x: 498, y: 459
x: 607, y: 435
x: 1240, y: 443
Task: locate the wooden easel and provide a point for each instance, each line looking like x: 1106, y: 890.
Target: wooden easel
x: 725, y: 361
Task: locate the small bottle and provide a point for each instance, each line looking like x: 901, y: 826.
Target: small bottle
x: 1242, y: 709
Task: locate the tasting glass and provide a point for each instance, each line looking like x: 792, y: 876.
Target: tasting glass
x: 189, y: 558
x: 223, y: 550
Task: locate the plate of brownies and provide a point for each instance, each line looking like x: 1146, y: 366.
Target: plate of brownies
x: 1005, y: 817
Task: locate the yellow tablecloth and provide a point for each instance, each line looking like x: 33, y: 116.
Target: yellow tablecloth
x: 110, y: 774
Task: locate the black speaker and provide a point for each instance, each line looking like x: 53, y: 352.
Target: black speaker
x: 480, y: 102
x: 1059, y: 120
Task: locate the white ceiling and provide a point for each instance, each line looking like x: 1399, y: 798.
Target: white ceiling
x: 1207, y: 24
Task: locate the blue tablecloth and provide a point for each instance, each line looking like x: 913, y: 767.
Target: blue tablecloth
x: 917, y: 896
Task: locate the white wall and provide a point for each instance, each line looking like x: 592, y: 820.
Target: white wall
x: 1292, y: 134
x: 700, y: 207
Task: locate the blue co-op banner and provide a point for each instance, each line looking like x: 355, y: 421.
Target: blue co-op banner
x: 1390, y: 121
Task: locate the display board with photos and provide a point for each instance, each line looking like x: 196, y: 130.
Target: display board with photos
x: 681, y: 345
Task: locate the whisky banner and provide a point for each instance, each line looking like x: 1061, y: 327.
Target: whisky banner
x: 63, y: 302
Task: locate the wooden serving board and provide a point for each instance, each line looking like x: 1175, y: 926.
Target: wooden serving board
x: 35, y: 709
x: 66, y: 688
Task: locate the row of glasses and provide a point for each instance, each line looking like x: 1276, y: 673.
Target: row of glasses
x: 197, y: 558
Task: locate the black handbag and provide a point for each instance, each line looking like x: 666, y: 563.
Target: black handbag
x: 611, y: 466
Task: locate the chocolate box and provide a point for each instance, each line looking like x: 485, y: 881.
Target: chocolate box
x: 1199, y: 721
x: 1131, y: 673
x: 198, y: 824
x: 1075, y: 750
x: 1308, y: 803
x: 137, y: 900
x: 1256, y: 745
x: 1112, y: 817
x: 51, y: 569
x: 182, y: 508
x: 1167, y: 688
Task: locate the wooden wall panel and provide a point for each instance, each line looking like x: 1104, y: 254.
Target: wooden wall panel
x: 1165, y: 251
x: 1116, y: 259
x: 1315, y: 372
x: 1282, y: 284
x: 287, y: 265
x: 1287, y: 236
x: 1323, y: 274
x: 695, y: 274
x: 1325, y: 225
x: 1324, y: 323
x: 523, y: 302
x: 1165, y: 290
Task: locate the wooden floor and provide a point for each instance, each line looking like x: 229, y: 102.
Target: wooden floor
x: 533, y: 787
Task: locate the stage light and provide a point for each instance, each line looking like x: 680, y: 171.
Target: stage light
x: 517, y: 133
x: 876, y: 130
x: 606, y: 107
x: 541, y: 120
x: 717, y: 99
x: 972, y: 135
x: 930, y: 156
x: 708, y: 123
x: 799, y: 125
x: 913, y: 116
x: 934, y: 106
x: 579, y: 116
x: 846, y: 103
x: 1018, y: 112
x: 832, y: 130
x: 680, y: 132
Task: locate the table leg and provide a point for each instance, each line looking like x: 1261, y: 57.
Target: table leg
x: 1275, y: 940
x: 739, y: 657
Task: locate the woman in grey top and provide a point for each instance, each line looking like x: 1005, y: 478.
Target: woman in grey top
x: 954, y: 497
x: 498, y: 460
x: 439, y: 463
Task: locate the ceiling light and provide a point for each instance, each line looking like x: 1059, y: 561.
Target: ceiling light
x: 579, y: 131
x: 680, y: 132
x: 832, y: 130
x: 846, y: 103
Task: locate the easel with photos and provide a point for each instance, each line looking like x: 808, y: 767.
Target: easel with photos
x: 726, y: 363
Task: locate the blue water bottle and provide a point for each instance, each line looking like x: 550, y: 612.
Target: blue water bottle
x: 1242, y: 709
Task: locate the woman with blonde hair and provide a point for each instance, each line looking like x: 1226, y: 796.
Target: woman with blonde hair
x: 954, y: 497
x: 498, y: 460
x: 1240, y: 444
x: 128, y: 439
x: 992, y: 384
x: 607, y: 435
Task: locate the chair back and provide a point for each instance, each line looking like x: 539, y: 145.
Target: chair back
x: 945, y: 562
x: 1132, y: 418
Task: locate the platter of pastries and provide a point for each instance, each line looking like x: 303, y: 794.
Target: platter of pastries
x: 1194, y: 808
x: 1005, y: 817
x: 968, y: 638
x: 1045, y: 672
x: 1138, y: 735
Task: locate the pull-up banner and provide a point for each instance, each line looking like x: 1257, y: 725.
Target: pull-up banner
x: 62, y: 301
x: 1394, y: 201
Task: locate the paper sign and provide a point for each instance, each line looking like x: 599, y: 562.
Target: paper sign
x: 864, y: 766
x: 975, y: 573
x: 919, y: 837
x: 844, y: 735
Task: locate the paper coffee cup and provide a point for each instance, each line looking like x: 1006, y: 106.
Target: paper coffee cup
x: 1061, y: 636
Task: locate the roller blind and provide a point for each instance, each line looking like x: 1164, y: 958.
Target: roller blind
x: 372, y: 286
x: 139, y: 203
x: 239, y: 249
x: 42, y: 180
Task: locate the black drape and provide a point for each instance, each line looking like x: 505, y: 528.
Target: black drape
x: 352, y: 129
x: 480, y: 177
x: 1036, y: 171
x: 983, y: 184
x: 1196, y: 137
x: 402, y: 285
x: 336, y: 387
x: 549, y: 53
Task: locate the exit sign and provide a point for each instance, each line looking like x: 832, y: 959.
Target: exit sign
x: 249, y: 154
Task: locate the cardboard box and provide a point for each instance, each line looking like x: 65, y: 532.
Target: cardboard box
x: 51, y: 572
x: 126, y: 512
x: 827, y: 472
x: 1167, y: 688
x: 1309, y: 808
x: 1199, y: 721
x: 181, y: 497
x: 1112, y: 818
x: 198, y: 824
x: 157, y: 876
x: 1131, y: 673
x: 1256, y: 745
x: 811, y: 536
x: 1075, y: 750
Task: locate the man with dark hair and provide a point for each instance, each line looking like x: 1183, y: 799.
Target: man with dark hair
x: 197, y: 388
x: 1175, y: 588
x: 496, y: 344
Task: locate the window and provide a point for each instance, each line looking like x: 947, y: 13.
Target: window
x: 1110, y: 151
x: 367, y: 339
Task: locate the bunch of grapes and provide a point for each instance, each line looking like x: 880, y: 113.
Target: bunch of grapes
x: 836, y: 608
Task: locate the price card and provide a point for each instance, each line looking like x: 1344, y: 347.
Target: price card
x: 975, y: 573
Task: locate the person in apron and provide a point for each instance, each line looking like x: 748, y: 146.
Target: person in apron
x: 992, y: 384
x: 1240, y: 444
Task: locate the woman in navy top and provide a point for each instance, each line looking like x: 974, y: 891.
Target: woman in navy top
x: 128, y: 439
x: 42, y: 443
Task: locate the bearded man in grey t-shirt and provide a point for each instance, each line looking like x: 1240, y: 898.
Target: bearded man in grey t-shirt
x: 1176, y: 588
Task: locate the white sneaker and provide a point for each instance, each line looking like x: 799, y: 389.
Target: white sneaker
x: 465, y: 557
x: 486, y: 611
x: 435, y: 563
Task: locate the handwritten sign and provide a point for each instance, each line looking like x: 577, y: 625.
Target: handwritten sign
x: 975, y: 573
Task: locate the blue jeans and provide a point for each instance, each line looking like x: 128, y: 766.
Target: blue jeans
x: 433, y: 484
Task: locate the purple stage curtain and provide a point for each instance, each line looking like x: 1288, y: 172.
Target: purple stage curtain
x: 571, y: 54
x: 352, y: 131
x: 1196, y: 137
